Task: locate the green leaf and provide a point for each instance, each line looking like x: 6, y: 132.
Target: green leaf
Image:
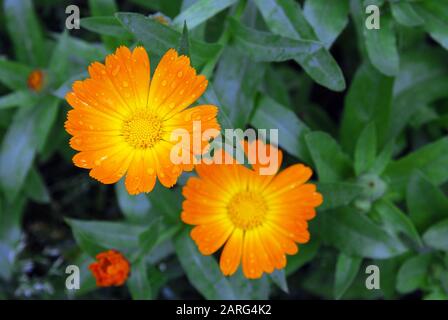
x: 158, y: 38
x: 201, y: 11
x: 166, y: 202
x: 25, y: 32
x: 279, y: 278
x: 383, y: 158
x: 285, y: 18
x: 413, y: 273
x: 270, y: 114
x: 149, y: 238
x: 202, y: 271
x: 365, y: 151
x: 426, y: 203
x: 104, y: 8
x: 396, y: 222
x: 381, y: 47
x: 368, y: 100
x: 106, y: 25
x: 405, y: 14
x: 347, y: 267
x: 423, y: 79
x: 430, y: 159
x: 264, y: 46
x: 437, y: 236
x: 21, y: 98
x: 307, y: 252
x: 14, y: 75
x: 327, y: 19
x: 18, y: 150
x: 236, y: 82
x: 184, y: 45
x: 355, y: 234
x: 59, y: 63
x: 338, y: 194
x: 435, y: 15
x: 35, y: 187
x: 138, y: 284
x: 135, y: 208
x: 97, y: 236
x: 331, y: 162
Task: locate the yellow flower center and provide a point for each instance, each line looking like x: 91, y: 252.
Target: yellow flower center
x: 142, y: 130
x: 247, y: 210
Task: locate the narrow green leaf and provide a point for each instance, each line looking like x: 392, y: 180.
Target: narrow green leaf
x: 20, y: 98
x: 138, y: 284
x: 307, y: 252
x: 437, y: 236
x: 106, y: 25
x: 59, y: 63
x: 405, y: 14
x: 25, y: 32
x: 166, y: 202
x: 431, y: 160
x: 135, y: 208
x: 264, y: 46
x: 413, y: 273
x: 426, y: 203
x: 291, y: 130
x: 201, y: 11
x: 14, y: 75
x: 423, y: 79
x: 381, y: 47
x: 184, y: 43
x: 369, y: 100
x: 435, y: 15
x: 365, y: 151
x: 279, y: 278
x: 396, y: 222
x: 159, y: 38
x: 331, y: 162
x: 328, y: 19
x: 236, y: 82
x: 103, y: 8
x: 96, y: 236
x: 338, y: 194
x: 285, y: 18
x: 355, y: 234
x: 202, y: 271
x: 149, y: 238
x: 347, y: 267
x: 383, y: 158
x: 35, y: 187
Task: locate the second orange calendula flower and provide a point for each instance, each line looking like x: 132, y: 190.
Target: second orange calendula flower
x: 122, y: 121
x: 111, y: 269
x: 257, y: 219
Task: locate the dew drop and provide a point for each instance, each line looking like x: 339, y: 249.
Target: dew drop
x: 163, y: 83
x: 180, y: 74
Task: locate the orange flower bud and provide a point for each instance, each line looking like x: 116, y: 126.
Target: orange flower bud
x: 111, y: 269
x: 36, y: 80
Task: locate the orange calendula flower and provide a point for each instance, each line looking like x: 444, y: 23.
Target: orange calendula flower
x: 258, y: 219
x: 36, y: 80
x: 122, y: 121
x: 111, y: 269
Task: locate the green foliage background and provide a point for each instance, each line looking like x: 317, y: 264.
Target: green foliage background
x: 367, y: 109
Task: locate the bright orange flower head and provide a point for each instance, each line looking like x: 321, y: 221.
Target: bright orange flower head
x: 111, y: 269
x: 257, y: 218
x: 121, y: 121
x: 36, y: 80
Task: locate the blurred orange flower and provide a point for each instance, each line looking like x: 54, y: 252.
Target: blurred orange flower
x: 36, y: 80
x: 257, y: 218
x: 121, y: 121
x: 111, y: 269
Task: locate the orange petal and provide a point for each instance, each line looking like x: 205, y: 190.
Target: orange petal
x: 251, y: 265
x: 175, y: 85
x: 210, y: 237
x: 231, y: 254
